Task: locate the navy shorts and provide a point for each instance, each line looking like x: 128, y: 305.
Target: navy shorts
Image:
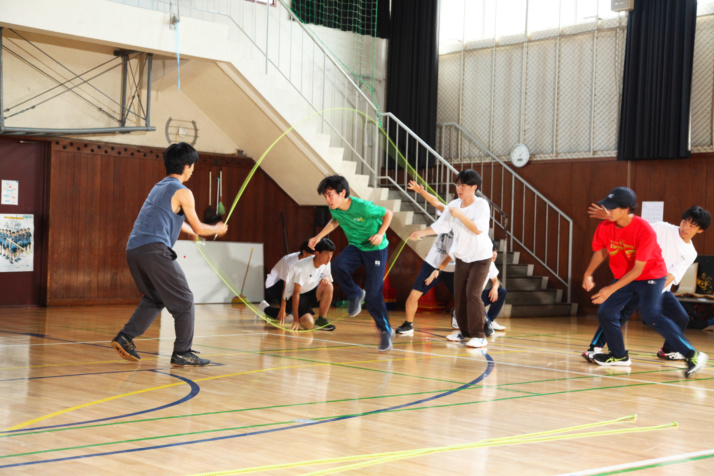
x: 425, y: 272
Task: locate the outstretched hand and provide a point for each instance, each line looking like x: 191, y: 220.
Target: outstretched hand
x: 414, y: 186
x: 598, y: 211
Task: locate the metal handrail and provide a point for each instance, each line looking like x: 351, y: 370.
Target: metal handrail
x: 345, y: 111
x: 506, y: 200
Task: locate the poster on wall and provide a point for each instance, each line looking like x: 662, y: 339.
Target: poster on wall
x: 17, y: 246
x: 9, y: 192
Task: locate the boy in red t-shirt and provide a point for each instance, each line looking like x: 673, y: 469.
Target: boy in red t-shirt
x: 636, y: 262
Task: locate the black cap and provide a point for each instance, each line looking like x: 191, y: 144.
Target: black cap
x: 620, y: 197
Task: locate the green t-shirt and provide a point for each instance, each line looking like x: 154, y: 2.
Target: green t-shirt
x: 360, y: 222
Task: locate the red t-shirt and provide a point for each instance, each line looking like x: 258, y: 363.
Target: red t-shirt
x: 635, y: 242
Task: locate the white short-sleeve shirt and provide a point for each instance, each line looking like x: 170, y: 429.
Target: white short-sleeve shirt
x: 307, y: 276
x: 467, y: 245
x: 677, y: 254
x: 281, y: 269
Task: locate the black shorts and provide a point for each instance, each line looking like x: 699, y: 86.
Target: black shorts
x: 425, y: 272
x: 308, y: 300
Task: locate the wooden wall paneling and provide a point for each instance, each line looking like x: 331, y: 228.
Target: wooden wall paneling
x: 105, y: 215
x: 705, y: 243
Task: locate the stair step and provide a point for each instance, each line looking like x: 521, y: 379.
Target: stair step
x: 545, y: 296
x: 526, y: 283
x: 546, y: 310
x: 512, y: 257
x: 516, y: 270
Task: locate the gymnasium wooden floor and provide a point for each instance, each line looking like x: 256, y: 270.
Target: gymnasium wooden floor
x: 284, y: 403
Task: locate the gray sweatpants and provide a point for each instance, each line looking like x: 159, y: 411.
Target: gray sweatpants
x: 162, y: 282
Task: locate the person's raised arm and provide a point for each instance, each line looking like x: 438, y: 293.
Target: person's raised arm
x: 431, y: 199
x: 185, y: 200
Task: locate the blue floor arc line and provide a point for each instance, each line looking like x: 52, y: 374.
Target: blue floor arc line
x: 192, y: 393
x: 486, y: 373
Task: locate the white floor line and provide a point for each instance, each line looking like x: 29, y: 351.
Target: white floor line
x: 636, y: 464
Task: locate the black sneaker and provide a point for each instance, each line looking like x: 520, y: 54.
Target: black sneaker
x: 355, y: 306
x: 385, y: 341
x: 188, y: 359
x: 488, y: 328
x: 125, y: 346
x: 610, y: 360
x: 322, y: 324
x: 695, y: 362
x: 406, y: 329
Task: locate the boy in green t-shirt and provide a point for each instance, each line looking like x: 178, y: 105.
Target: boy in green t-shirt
x: 365, y: 225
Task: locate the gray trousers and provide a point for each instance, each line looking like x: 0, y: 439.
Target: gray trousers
x: 161, y: 281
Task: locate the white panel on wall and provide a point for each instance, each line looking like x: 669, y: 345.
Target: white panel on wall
x: 232, y: 260
x: 507, y: 99
x: 575, y: 93
x: 449, y: 92
x: 476, y: 116
x: 540, y: 96
x: 608, y: 80
x: 703, y: 84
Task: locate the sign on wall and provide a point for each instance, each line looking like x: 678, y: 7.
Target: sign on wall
x: 17, y: 250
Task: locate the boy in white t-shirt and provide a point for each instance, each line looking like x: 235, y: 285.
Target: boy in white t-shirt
x: 433, y: 262
x: 275, y: 281
x: 468, y: 217
x: 309, y: 284
x: 678, y: 253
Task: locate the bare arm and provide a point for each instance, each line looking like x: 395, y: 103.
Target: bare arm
x: 456, y: 213
x: 296, y: 306
x: 435, y: 274
x: 418, y: 234
x: 183, y: 200
x: 377, y: 238
x: 596, y: 260
x: 431, y: 199
x: 631, y: 275
x: 332, y: 225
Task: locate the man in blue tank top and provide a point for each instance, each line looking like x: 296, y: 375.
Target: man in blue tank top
x: 152, y: 263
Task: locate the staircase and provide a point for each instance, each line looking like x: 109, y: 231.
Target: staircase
x: 528, y: 295
x: 263, y: 79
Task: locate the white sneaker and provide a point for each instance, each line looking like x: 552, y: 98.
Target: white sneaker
x: 497, y: 327
x: 455, y: 336
x: 261, y: 307
x: 477, y: 342
x: 454, y: 324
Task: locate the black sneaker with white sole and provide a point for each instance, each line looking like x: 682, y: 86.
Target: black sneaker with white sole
x: 609, y: 360
x: 125, y: 347
x: 188, y: 359
x: 406, y: 329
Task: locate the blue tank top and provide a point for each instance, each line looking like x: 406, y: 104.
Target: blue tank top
x: 157, y: 222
